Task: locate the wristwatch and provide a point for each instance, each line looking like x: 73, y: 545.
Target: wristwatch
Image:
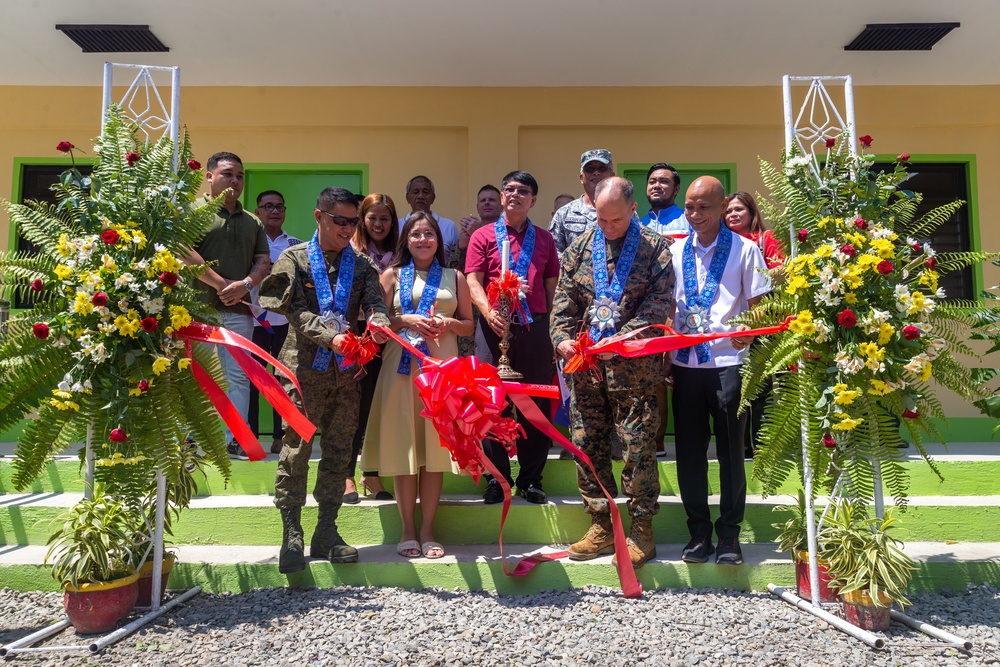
x: 248, y: 284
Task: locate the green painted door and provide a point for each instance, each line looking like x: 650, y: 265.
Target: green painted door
x: 300, y: 185
x: 636, y: 173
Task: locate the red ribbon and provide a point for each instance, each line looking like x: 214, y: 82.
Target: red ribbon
x: 358, y: 351
x: 624, y: 344
x: 464, y: 398
x: 508, y: 284
x: 268, y: 385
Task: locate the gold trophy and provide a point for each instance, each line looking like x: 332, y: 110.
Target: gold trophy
x: 503, y: 366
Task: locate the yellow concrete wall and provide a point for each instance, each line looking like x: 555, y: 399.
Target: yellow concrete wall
x: 465, y: 137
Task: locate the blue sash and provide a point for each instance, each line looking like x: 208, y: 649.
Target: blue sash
x: 332, y: 306
x: 605, y: 311
x: 523, y: 257
x: 427, y: 298
x: 695, y: 318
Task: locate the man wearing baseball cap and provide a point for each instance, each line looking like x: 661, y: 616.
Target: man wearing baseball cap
x: 580, y: 214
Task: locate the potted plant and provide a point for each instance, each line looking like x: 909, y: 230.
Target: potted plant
x: 793, y: 538
x: 870, y: 570
x: 91, y: 555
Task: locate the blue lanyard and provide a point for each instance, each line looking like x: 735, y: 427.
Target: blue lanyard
x: 427, y: 298
x: 332, y: 306
x: 699, y: 303
x: 523, y: 257
x: 605, y: 294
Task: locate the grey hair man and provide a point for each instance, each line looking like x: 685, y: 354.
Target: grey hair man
x: 420, y: 195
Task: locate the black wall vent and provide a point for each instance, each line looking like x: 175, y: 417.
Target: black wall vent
x: 113, y: 38
x: 900, y: 36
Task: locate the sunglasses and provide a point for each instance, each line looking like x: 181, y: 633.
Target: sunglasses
x: 340, y: 220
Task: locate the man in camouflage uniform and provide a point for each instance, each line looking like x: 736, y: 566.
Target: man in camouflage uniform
x: 579, y: 215
x: 330, y: 397
x: 622, y: 395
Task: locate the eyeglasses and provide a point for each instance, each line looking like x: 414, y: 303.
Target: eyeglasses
x: 420, y: 236
x: 273, y: 207
x: 520, y: 192
x: 340, y: 220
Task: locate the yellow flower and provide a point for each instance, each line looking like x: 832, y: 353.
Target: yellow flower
x: 825, y: 250
x: 879, y: 388
x: 857, y: 239
x: 916, y: 302
x: 126, y: 326
x: 183, y: 363
x: 165, y: 261
x: 167, y: 290
x: 179, y: 317
x: 884, y: 248
x: 850, y: 297
x: 131, y: 223
x: 108, y: 262
x: 160, y: 364
x: 82, y: 304
x: 803, y: 323
x: 930, y: 279
x: 63, y: 246
x: 885, y: 333
x: 844, y: 396
x: 63, y: 272
x: 872, y: 351
x: 846, y: 423
x: 824, y: 222
x: 139, y: 239
x: 867, y: 262
x: 925, y: 372
x: 795, y: 284
x: 134, y: 391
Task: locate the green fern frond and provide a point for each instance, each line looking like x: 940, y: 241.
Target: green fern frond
x: 934, y: 218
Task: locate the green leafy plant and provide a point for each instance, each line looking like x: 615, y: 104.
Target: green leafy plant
x: 862, y: 556
x: 794, y: 535
x: 871, y: 330
x: 95, y: 543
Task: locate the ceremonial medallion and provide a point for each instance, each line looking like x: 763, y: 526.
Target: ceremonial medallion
x: 412, y: 337
x: 604, y: 314
x: 335, y: 321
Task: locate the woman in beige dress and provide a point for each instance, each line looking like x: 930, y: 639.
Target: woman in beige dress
x: 398, y: 440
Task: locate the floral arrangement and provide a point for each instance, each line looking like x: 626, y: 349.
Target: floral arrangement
x: 871, y: 328
x: 95, y: 357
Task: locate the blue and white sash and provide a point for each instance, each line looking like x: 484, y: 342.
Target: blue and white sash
x: 332, y: 306
x: 427, y: 298
x: 606, y: 312
x: 695, y: 318
x: 520, y: 267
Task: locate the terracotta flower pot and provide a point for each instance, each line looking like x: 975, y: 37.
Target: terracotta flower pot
x: 860, y: 610
x: 826, y: 594
x: 95, y: 608
x: 145, y: 598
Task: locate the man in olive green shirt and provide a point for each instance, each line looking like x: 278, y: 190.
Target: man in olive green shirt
x: 238, y: 244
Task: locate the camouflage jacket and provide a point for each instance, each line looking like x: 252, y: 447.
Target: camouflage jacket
x: 648, y: 299
x: 289, y: 290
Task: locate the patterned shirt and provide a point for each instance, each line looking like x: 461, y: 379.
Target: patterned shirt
x: 570, y: 221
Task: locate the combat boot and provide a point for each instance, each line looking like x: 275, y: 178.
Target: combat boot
x: 641, y: 545
x: 327, y: 542
x: 291, y: 558
x: 599, y: 540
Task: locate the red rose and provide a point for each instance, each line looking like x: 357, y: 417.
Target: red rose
x: 131, y: 158
x: 910, y: 332
x: 847, y: 318
x: 169, y: 279
x: 793, y: 368
x: 37, y: 285
x: 803, y: 235
x: 865, y: 140
x: 41, y: 330
x: 110, y: 236
x: 194, y: 165
x: 916, y: 247
x: 118, y: 435
x: 64, y: 147
x: 149, y: 324
x: 911, y: 414
x: 143, y: 386
x: 830, y: 142
x: 885, y: 267
x: 848, y: 250
x: 99, y: 299
x: 931, y: 263
x: 903, y: 157
x: 828, y: 441
x: 860, y: 223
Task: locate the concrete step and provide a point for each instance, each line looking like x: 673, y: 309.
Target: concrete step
x: 465, y: 519
x: 478, y: 567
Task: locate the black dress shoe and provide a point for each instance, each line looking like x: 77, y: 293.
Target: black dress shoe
x: 494, y: 493
x: 729, y: 552
x: 698, y: 550
x: 534, y: 494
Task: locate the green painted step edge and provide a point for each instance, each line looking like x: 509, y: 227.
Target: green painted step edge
x: 478, y: 524
x: 240, y: 578
x: 961, y: 478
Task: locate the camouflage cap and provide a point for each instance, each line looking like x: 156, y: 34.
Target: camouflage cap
x: 598, y: 154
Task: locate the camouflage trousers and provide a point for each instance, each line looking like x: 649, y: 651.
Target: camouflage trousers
x: 333, y: 407
x: 597, y: 414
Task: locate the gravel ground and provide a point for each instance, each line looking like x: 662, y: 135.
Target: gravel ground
x: 591, y: 626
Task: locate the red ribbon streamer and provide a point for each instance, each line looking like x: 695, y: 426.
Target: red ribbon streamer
x: 266, y: 383
x: 624, y: 344
x: 464, y: 399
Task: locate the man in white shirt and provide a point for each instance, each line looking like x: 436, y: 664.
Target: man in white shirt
x: 665, y: 217
x: 271, y: 211
x: 719, y: 275
x: 420, y: 196
x: 580, y: 214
